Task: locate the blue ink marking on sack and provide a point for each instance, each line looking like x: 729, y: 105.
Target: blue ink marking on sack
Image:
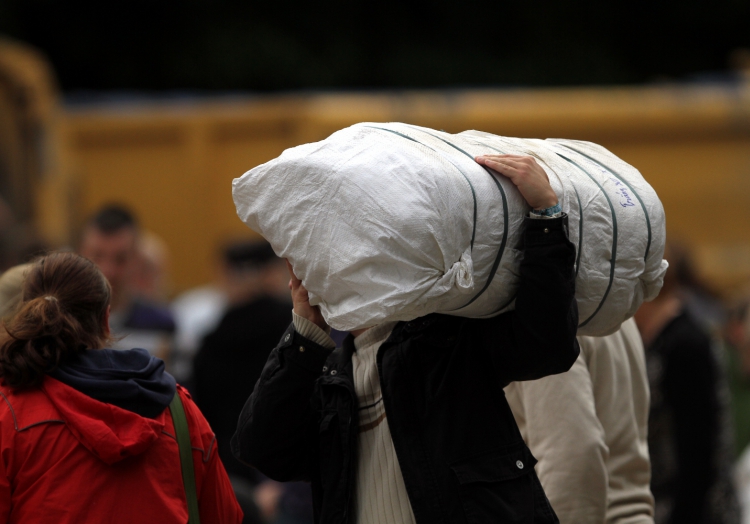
x: 622, y: 192
x: 625, y: 200
x: 635, y: 193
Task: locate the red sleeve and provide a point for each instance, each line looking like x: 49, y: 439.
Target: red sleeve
x: 216, y: 499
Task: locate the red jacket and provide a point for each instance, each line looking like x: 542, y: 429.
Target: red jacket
x: 67, y: 458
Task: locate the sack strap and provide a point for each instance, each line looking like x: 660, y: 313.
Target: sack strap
x: 186, y: 457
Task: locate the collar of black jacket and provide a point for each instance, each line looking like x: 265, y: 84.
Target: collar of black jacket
x: 441, y: 329
x: 433, y: 323
x: 421, y: 323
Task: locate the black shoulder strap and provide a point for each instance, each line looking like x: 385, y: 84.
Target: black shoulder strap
x: 186, y: 457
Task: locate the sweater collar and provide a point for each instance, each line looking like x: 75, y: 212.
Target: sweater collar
x: 373, y: 335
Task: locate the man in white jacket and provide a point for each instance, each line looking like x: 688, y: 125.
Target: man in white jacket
x: 588, y: 429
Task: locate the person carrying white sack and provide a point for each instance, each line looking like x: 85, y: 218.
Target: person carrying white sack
x: 588, y: 428
x: 405, y: 223
x: 408, y: 422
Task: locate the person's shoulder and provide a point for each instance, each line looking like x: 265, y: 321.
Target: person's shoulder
x: 25, y: 408
x: 150, y: 316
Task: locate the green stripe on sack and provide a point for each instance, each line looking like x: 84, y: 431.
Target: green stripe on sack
x: 580, y: 230
x: 505, y: 232
x: 614, y: 241
x: 473, y: 193
x: 504, y: 241
x: 621, y: 179
x: 580, y: 213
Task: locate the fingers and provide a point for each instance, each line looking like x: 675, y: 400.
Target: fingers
x: 505, y: 167
x: 301, y: 300
x: 500, y: 157
x: 526, y: 174
x: 504, y: 156
x: 512, y: 166
x: 294, y: 282
x: 299, y: 293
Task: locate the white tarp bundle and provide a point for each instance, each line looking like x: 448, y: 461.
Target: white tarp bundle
x: 393, y: 221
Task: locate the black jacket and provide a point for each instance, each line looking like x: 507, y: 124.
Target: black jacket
x: 229, y: 363
x: 442, y: 378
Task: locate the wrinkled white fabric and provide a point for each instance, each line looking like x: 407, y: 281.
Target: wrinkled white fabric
x: 392, y: 222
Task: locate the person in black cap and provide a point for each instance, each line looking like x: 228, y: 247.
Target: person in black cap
x: 232, y: 356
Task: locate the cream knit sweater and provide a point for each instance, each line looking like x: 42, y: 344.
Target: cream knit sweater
x: 380, y: 494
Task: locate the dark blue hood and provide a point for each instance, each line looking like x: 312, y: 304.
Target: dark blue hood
x: 130, y: 379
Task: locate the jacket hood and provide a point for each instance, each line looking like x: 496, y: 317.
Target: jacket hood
x: 108, y: 431
x: 131, y: 379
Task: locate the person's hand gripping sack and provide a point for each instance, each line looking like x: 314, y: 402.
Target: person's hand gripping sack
x: 526, y: 174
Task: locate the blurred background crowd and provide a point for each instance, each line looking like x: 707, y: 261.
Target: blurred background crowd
x: 123, y: 125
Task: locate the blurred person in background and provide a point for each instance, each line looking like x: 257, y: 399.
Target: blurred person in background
x: 231, y: 358
x: 75, y: 414
x: 737, y: 352
x: 11, y: 283
x: 151, y: 275
x: 110, y: 239
x: 196, y: 312
x: 20, y: 244
x: 19, y: 241
x: 689, y: 437
x: 588, y: 429
x: 701, y: 301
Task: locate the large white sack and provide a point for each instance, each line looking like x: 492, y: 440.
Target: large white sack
x: 392, y: 222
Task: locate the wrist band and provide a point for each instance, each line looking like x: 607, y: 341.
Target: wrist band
x: 548, y: 212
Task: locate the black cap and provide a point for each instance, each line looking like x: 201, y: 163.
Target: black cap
x: 112, y: 218
x: 246, y: 255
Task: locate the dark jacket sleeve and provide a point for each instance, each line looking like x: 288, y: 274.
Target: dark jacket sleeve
x: 276, y: 429
x: 538, y: 338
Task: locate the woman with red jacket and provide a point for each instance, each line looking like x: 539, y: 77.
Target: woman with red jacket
x: 85, y: 433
